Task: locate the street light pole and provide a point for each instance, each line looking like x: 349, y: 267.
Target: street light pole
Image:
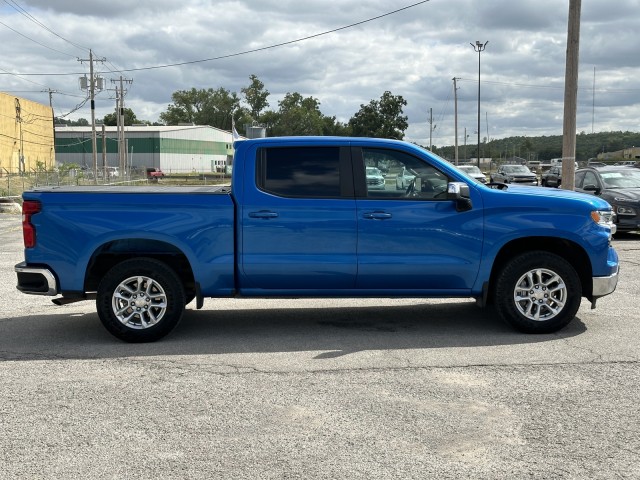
x: 479, y: 47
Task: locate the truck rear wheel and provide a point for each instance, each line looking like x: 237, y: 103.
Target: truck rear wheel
x: 140, y: 300
x: 538, y: 292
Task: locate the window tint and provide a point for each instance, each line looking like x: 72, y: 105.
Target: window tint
x: 300, y: 171
x: 394, y: 174
x: 590, y: 179
x: 579, y: 179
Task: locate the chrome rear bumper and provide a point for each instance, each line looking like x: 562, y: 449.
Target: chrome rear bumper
x: 36, y: 280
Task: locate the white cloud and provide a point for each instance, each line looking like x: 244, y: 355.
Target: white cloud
x: 414, y: 53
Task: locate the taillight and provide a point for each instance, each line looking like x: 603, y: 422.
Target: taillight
x: 29, y: 208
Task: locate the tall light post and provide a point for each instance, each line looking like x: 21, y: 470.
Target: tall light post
x: 479, y: 47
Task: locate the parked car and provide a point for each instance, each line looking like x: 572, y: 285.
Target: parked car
x: 618, y: 185
x: 404, y: 179
x: 552, y: 177
x: 154, y: 174
x: 518, y: 174
x: 112, y: 172
x: 474, y: 172
x: 375, y: 179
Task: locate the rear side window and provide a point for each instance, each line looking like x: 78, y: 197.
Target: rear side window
x: 299, y: 171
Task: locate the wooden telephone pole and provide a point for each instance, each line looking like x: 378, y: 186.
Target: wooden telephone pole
x: 571, y: 97
x: 455, y: 103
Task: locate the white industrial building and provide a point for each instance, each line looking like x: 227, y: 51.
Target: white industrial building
x: 174, y: 149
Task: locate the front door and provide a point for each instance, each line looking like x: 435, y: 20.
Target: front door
x: 410, y: 237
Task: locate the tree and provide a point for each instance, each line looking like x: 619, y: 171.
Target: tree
x: 256, y: 97
x: 110, y: 119
x: 381, y: 118
x: 81, y: 122
x: 332, y: 127
x: 202, y: 107
x: 297, y: 115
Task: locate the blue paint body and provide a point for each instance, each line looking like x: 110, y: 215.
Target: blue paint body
x: 252, y: 243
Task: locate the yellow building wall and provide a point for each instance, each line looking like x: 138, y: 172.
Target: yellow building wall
x: 26, y: 130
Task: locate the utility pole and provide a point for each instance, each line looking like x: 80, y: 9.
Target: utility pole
x: 104, y: 151
x: 465, y: 143
x: 432, y: 127
x: 120, y: 93
x: 51, y: 92
x: 92, y: 93
x: 571, y: 97
x: 53, y: 123
x: 479, y: 47
x: 593, y: 105
x: 455, y: 114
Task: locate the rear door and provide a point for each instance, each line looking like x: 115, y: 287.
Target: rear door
x: 413, y: 238
x: 298, y: 221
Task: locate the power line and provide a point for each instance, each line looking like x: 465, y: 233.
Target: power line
x: 246, y: 52
x: 35, y: 41
x: 7, y: 72
x: 13, y: 4
x: 552, y: 87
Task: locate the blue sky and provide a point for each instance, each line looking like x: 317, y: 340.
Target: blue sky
x: 414, y: 53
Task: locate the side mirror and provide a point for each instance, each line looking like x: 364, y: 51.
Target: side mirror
x: 592, y: 188
x: 459, y: 192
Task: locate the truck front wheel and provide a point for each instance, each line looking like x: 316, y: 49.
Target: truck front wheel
x: 140, y: 300
x: 538, y: 292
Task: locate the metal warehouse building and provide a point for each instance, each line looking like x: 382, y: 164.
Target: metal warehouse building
x: 174, y: 149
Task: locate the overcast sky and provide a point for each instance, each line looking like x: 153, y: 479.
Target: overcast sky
x: 415, y: 53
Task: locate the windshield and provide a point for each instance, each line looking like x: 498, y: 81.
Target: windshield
x: 373, y: 171
x: 471, y: 169
x: 622, y: 179
x: 516, y: 169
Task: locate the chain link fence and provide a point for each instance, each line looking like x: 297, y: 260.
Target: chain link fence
x: 12, y: 184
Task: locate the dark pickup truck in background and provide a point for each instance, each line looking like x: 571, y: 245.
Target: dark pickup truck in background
x: 552, y: 177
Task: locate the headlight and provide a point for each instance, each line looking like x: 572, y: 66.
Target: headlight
x: 621, y: 210
x: 604, y: 218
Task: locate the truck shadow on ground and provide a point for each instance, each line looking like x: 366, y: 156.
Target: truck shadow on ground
x: 331, y: 331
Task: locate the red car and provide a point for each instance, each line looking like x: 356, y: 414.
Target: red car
x: 154, y: 174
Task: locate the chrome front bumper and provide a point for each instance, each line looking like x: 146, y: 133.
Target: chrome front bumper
x: 604, y: 285
x: 36, y: 280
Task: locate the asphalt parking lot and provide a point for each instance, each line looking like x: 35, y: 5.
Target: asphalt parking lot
x: 317, y: 389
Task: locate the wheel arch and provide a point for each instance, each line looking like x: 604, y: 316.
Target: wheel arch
x: 567, y: 249
x: 114, y: 252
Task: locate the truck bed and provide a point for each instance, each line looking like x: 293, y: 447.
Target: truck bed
x: 155, y: 189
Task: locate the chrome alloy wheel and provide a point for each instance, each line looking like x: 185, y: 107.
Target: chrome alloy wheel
x: 540, y: 294
x: 139, y: 302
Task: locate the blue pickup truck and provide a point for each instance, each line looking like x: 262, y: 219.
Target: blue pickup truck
x: 300, y: 220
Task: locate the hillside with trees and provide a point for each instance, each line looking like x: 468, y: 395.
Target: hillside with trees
x: 542, y: 148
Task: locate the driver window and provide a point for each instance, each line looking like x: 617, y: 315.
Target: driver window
x: 393, y: 174
x: 590, y: 179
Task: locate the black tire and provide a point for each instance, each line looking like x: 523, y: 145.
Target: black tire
x: 140, y: 311
x: 549, y: 292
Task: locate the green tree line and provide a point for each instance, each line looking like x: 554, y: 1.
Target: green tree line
x: 588, y: 145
